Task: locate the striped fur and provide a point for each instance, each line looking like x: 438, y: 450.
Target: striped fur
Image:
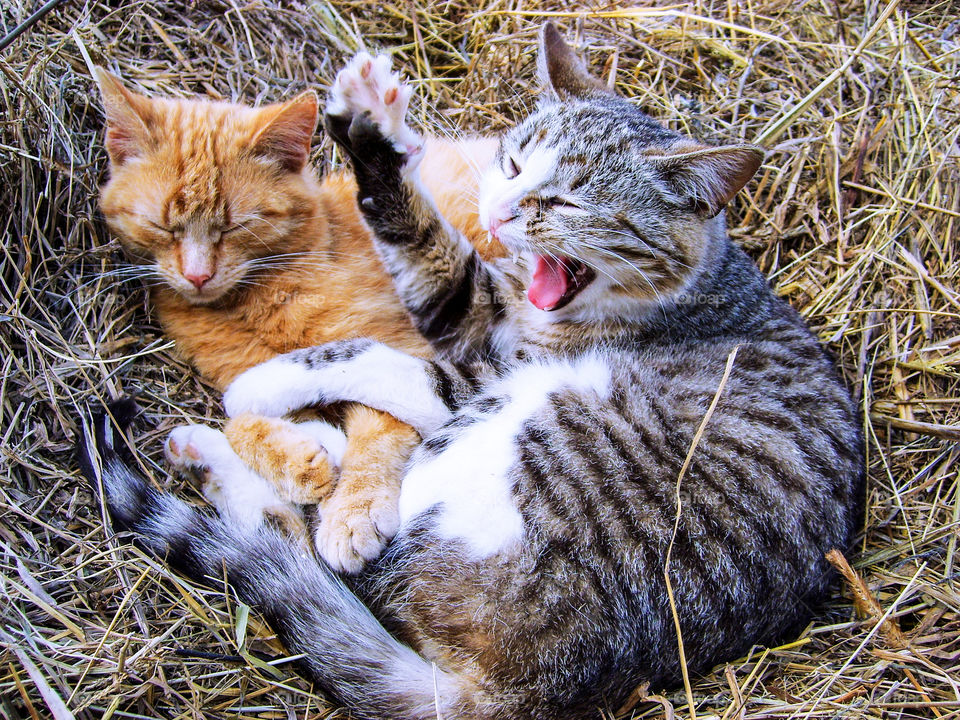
x: 537, y: 513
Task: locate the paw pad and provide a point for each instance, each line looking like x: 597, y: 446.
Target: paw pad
x: 367, y: 85
x: 196, y: 447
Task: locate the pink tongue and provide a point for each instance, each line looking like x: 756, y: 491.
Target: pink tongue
x: 549, y: 283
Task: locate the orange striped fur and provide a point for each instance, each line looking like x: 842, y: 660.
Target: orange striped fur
x: 205, y: 188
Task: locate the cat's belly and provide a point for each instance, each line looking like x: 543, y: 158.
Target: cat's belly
x: 469, y: 483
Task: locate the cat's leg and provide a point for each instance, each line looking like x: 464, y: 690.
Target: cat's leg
x: 291, y: 456
x: 455, y: 299
x: 421, y: 393
x: 359, y: 515
x: 362, y: 514
x: 241, y: 497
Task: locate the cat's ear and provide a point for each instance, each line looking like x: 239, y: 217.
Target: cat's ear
x: 128, y: 115
x: 285, y: 131
x: 708, y: 177
x: 561, y: 71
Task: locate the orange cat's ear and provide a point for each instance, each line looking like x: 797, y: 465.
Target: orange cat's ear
x: 128, y: 117
x: 560, y: 70
x: 708, y: 176
x: 286, y: 129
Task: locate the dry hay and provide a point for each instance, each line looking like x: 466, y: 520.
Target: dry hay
x: 854, y: 216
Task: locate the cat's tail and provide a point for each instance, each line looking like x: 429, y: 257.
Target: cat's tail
x: 346, y: 651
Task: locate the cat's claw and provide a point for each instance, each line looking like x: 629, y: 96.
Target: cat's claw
x: 367, y: 85
x: 353, y: 531
x: 241, y: 497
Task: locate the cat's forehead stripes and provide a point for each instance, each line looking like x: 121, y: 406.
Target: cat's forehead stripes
x: 207, y: 140
x: 605, y: 128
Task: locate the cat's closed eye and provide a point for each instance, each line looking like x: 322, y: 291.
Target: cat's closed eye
x: 564, y: 205
x: 162, y: 228
x: 512, y: 169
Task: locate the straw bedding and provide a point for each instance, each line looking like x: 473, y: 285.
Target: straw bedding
x: 854, y: 217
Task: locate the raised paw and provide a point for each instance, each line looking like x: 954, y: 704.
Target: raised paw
x: 354, y: 530
x: 288, y: 456
x: 367, y: 93
x: 240, y: 496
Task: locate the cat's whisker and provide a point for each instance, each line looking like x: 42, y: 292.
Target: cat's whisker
x: 105, y: 284
x: 449, y: 131
x: 599, y: 232
x: 127, y: 274
x: 643, y: 276
x: 132, y: 270
x: 260, y: 217
x: 560, y: 254
x: 280, y: 262
x: 248, y: 282
x: 618, y: 258
x: 609, y: 253
x: 254, y: 235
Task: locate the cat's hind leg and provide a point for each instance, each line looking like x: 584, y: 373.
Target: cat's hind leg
x: 362, y: 514
x: 359, y: 511
x: 241, y: 497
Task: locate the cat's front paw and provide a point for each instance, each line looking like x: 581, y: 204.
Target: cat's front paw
x: 273, y: 389
x: 354, y: 530
x: 368, y: 102
x: 286, y: 454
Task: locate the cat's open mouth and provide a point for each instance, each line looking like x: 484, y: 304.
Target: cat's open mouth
x: 557, y: 281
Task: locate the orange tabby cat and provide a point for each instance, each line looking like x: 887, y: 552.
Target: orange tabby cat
x: 256, y: 258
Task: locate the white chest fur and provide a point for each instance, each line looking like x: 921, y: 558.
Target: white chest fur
x: 470, y: 481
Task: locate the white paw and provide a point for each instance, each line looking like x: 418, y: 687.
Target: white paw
x: 331, y: 439
x: 240, y: 496
x: 274, y: 389
x: 199, y: 447
x: 366, y: 84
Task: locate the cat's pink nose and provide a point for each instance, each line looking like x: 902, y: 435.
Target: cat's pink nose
x: 198, y: 280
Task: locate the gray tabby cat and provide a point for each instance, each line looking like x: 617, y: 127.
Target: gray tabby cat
x: 527, y: 578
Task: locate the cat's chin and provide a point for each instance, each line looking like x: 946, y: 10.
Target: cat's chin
x: 203, y: 298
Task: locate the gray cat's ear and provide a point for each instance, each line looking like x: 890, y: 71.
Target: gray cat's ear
x: 128, y: 116
x: 708, y: 177
x: 561, y: 71
x: 285, y: 131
